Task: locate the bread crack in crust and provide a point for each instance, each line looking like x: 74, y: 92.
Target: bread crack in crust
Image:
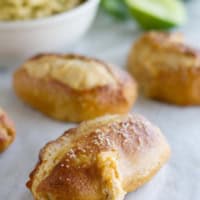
x: 77, y: 73
x: 73, y: 87
x: 7, y: 131
x: 101, y: 159
x: 166, y: 68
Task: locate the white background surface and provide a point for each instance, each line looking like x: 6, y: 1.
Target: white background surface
x: 109, y: 40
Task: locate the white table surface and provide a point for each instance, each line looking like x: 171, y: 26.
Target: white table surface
x: 109, y: 40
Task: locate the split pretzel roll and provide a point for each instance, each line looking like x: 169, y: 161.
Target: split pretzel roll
x: 165, y: 68
x: 7, y: 131
x: 73, y: 87
x: 100, y: 159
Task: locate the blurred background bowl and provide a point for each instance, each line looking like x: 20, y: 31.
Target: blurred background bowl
x: 22, y: 39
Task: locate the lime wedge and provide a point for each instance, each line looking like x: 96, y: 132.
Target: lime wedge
x: 116, y: 8
x: 157, y: 14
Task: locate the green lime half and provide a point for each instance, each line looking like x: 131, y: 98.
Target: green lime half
x: 157, y: 14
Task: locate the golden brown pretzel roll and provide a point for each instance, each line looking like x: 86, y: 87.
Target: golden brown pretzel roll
x: 7, y: 131
x: 165, y: 68
x: 100, y: 159
x: 73, y: 87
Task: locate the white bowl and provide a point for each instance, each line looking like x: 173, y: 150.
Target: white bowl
x: 22, y: 39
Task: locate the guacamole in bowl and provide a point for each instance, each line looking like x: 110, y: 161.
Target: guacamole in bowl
x: 12, y: 10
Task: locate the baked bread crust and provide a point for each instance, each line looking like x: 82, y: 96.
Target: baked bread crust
x: 114, y: 93
x: 7, y: 131
x: 100, y: 159
x: 166, y: 69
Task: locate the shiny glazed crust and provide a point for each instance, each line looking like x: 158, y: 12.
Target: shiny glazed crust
x: 7, y: 131
x: 101, y: 159
x: 166, y: 69
x: 59, y: 100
